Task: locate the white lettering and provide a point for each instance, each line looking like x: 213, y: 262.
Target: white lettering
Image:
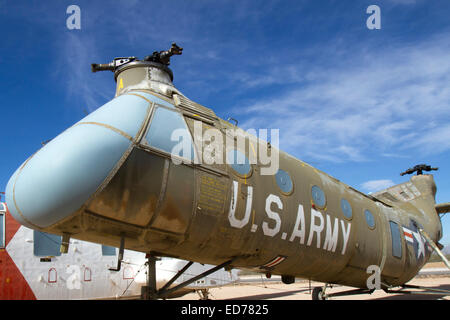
x: 210, y: 147
x: 73, y: 21
x: 374, y: 21
x: 346, y: 234
x: 73, y: 281
x: 232, y: 211
x: 213, y: 146
x: 274, y: 156
x: 194, y: 310
x: 198, y: 140
x: 183, y: 148
x: 253, y: 143
x: 373, y: 282
x: 299, y: 229
x: 273, y: 215
x: 315, y: 228
x: 234, y: 222
x: 331, y: 238
x: 420, y: 244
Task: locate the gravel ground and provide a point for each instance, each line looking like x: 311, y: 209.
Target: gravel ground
x: 300, y: 290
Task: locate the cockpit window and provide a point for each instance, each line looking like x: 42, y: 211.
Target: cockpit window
x: 168, y: 132
x: 2, y: 207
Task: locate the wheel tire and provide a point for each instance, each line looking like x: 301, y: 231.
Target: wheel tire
x: 317, y: 293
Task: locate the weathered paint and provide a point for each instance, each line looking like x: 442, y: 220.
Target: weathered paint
x: 83, y: 273
x: 210, y: 213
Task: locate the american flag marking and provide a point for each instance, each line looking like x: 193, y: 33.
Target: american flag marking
x: 408, y: 235
x: 274, y: 262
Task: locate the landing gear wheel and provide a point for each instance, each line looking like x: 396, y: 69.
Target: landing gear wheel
x: 318, y: 294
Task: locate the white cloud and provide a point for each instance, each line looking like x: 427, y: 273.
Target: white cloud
x: 374, y: 102
x: 435, y: 140
x: 72, y: 69
x: 376, y: 185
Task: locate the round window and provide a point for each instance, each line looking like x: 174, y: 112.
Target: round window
x: 346, y: 208
x: 284, y: 181
x: 318, y: 196
x: 369, y: 219
x: 239, y: 162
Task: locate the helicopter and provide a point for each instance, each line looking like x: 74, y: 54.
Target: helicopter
x: 155, y: 172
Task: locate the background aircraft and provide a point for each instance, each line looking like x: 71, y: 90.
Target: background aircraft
x: 32, y: 267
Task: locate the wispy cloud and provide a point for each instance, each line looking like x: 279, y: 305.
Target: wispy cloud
x: 86, y: 89
x: 373, y: 102
x: 435, y: 140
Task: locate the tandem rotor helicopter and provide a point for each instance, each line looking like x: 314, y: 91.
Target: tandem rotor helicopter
x: 114, y: 178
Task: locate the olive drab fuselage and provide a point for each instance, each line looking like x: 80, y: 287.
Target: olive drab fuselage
x: 316, y: 228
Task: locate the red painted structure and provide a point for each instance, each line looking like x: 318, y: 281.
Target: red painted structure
x: 13, y: 285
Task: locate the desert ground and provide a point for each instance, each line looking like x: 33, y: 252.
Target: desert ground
x: 259, y: 288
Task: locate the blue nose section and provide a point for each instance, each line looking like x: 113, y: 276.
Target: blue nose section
x: 58, y: 179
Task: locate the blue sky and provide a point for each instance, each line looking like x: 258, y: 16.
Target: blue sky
x: 362, y: 105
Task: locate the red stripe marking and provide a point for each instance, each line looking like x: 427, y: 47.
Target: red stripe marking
x: 276, y: 261
x: 271, y: 262
x: 408, y: 234
x: 13, y: 285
